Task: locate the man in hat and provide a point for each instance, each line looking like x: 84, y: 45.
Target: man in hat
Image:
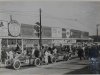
x: 93, y: 58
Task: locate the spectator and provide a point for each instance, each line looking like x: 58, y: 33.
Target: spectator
x: 68, y: 49
x: 36, y: 52
x: 55, y: 51
x: 46, y: 56
x: 93, y: 52
x: 3, y: 56
x: 93, y: 58
x: 50, y: 49
x: 86, y: 50
x: 80, y: 53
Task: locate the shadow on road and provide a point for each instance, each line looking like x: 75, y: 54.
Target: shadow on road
x: 84, y: 70
x: 76, y: 63
x: 57, y: 68
x: 22, y: 67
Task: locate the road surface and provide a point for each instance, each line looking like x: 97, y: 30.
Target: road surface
x: 59, y: 68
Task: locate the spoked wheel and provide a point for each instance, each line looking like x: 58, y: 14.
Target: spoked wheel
x: 8, y: 63
x: 70, y: 56
x: 54, y: 60
x: 37, y: 62
x: 16, y: 64
x: 66, y: 58
x: 49, y: 59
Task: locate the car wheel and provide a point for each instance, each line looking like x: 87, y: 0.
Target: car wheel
x: 66, y: 58
x: 16, y: 64
x: 8, y: 63
x: 54, y: 60
x: 37, y: 62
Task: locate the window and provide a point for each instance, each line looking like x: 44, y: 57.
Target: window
x: 4, y: 42
x: 19, y: 42
x: 11, y: 41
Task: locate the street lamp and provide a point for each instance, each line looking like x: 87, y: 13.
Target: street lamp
x: 97, y: 30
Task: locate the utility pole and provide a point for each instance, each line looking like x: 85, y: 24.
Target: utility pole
x: 40, y: 41
x: 40, y: 27
x: 97, y: 31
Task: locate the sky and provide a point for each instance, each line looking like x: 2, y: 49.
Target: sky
x: 80, y: 15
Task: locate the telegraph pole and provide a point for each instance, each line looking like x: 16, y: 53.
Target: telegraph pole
x: 40, y: 41
x: 97, y: 31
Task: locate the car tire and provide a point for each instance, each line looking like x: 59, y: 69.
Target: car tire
x: 8, y: 63
x: 37, y: 62
x: 16, y: 64
x: 66, y: 58
x: 54, y: 60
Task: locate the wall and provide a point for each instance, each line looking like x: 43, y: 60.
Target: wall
x: 27, y: 30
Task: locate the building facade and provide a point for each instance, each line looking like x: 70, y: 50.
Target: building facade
x: 26, y: 35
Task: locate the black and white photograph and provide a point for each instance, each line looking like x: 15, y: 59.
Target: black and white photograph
x: 49, y: 37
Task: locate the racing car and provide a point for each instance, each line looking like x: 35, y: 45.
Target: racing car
x: 21, y: 59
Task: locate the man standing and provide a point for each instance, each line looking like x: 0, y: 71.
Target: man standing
x: 80, y: 53
x: 93, y: 59
x: 86, y: 50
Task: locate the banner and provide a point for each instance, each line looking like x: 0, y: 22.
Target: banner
x: 67, y: 33
x: 46, y: 32
x: 28, y: 30
x: 63, y: 33
x: 14, y: 28
x: 84, y: 34
x: 75, y: 33
x: 57, y: 32
x: 47, y: 42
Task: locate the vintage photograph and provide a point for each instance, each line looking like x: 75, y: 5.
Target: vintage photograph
x: 49, y: 37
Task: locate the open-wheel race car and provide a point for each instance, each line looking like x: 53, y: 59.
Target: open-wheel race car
x: 22, y: 59
x: 62, y: 57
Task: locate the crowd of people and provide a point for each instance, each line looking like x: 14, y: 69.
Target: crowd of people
x: 87, y: 52
x: 10, y: 53
x: 90, y: 52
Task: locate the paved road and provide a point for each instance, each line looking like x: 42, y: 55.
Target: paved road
x: 59, y: 68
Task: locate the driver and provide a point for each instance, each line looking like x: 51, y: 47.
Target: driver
x: 35, y: 52
x: 10, y: 54
x: 18, y: 49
